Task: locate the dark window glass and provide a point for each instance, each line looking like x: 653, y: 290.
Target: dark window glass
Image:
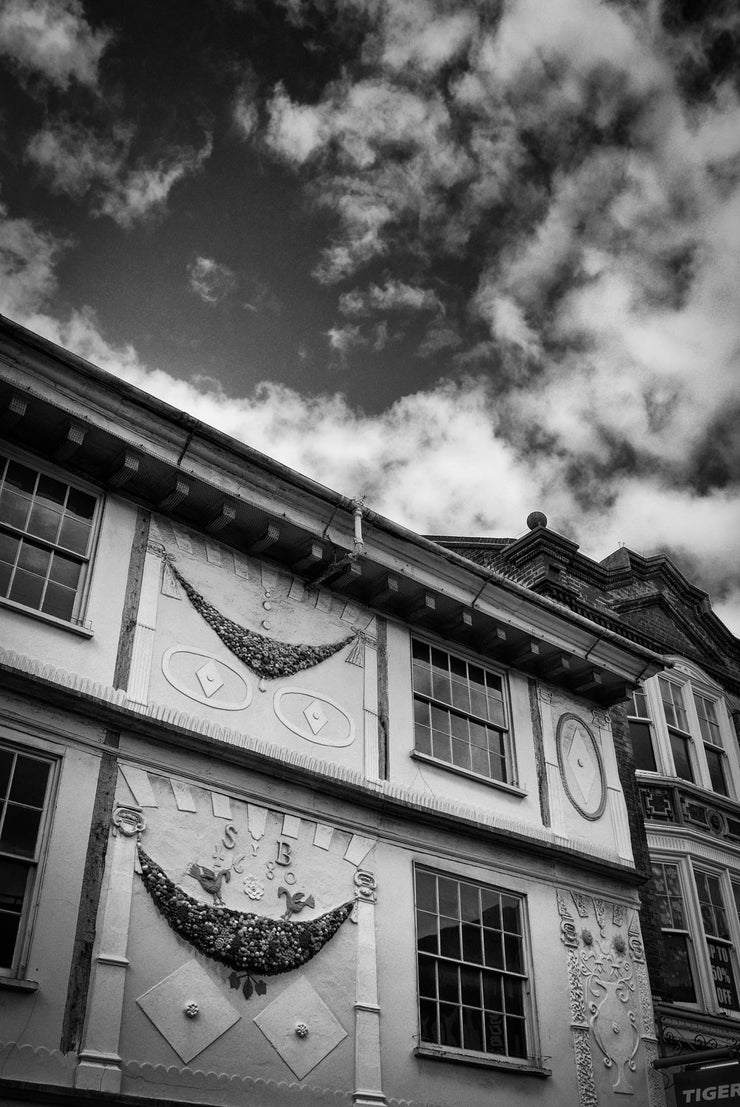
x: 472, y: 988
x: 23, y: 790
x: 642, y: 746
x: 681, y: 757
x: 716, y: 763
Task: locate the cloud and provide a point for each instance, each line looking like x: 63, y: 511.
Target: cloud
x: 78, y: 162
x: 210, y: 280
x: 52, y: 38
x: 28, y: 257
x: 392, y: 296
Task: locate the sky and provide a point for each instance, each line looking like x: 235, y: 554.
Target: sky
x: 464, y: 258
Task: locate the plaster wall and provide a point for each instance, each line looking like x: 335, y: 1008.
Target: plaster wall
x: 265, y: 847
x: 320, y: 711
x: 51, y: 644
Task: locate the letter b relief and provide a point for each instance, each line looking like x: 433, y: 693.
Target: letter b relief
x: 284, y: 852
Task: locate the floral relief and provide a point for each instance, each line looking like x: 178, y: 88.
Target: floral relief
x: 245, y: 942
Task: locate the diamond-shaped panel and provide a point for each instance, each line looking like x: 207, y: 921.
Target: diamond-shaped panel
x: 209, y: 679
x: 315, y: 716
x: 167, y: 1003
x: 300, y: 1026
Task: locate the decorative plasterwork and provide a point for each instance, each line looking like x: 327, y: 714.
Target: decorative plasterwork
x: 300, y: 1027
x: 609, y: 994
x: 314, y: 716
x: 122, y: 706
x: 581, y: 767
x: 188, y: 1010
x: 205, y: 679
x: 267, y: 657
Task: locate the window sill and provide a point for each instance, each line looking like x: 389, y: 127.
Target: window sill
x: 74, y: 628
x: 450, y: 768
x: 443, y: 1053
x: 13, y: 984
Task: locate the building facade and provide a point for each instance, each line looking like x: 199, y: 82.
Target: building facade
x: 683, y: 726
x: 297, y: 805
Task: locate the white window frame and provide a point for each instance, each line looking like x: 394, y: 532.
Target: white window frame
x: 692, y: 680
x: 532, y: 1060
x: 52, y: 758
x: 704, y: 984
x: 77, y: 620
x: 512, y: 782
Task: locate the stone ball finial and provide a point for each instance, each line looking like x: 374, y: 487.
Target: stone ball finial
x: 536, y: 519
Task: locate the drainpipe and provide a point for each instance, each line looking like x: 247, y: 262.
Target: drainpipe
x: 358, y: 548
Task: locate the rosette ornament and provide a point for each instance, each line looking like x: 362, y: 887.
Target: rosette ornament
x: 243, y: 941
x: 267, y: 657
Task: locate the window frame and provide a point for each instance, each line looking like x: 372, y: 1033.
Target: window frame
x: 53, y: 759
x: 690, y: 683
x: 531, y: 1061
x: 686, y: 890
x: 77, y: 622
x: 505, y: 730
x: 705, y: 986
x: 633, y: 716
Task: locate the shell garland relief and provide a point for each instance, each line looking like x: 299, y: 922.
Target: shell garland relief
x: 269, y: 892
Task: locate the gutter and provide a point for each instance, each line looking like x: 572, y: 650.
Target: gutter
x: 210, y: 435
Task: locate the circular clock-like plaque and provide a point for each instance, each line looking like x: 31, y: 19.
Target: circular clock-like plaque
x: 581, y: 767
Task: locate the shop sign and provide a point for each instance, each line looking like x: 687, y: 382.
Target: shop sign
x: 716, y: 1085
x: 722, y: 975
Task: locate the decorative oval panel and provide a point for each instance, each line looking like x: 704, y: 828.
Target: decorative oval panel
x: 581, y: 768
x: 205, y: 679
x: 316, y: 718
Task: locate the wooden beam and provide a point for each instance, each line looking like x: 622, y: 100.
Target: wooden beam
x: 423, y: 608
x: 268, y: 538
x: 556, y: 665
x: 526, y: 655
x: 349, y: 574
x: 15, y: 410
x: 177, y: 495
x: 127, y: 466
x: 386, y: 590
x: 226, y: 514
x: 73, y: 437
x: 587, y: 681
x: 310, y: 560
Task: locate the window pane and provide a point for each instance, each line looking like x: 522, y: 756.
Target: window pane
x: 679, y: 981
x: 426, y: 891
x: 449, y: 1025
x: 20, y: 477
x: 64, y: 570
x: 27, y: 589
x: 9, y: 923
x: 59, y: 601
x: 14, y: 509
x: 29, y: 781
x: 6, y: 764
x: 642, y: 746
x: 427, y: 977
x: 33, y: 558
x: 449, y: 982
x: 715, y: 762
x: 43, y: 522
x: 428, y: 1019
x: 681, y: 759
x: 20, y: 830
x: 472, y: 1019
x: 8, y: 548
